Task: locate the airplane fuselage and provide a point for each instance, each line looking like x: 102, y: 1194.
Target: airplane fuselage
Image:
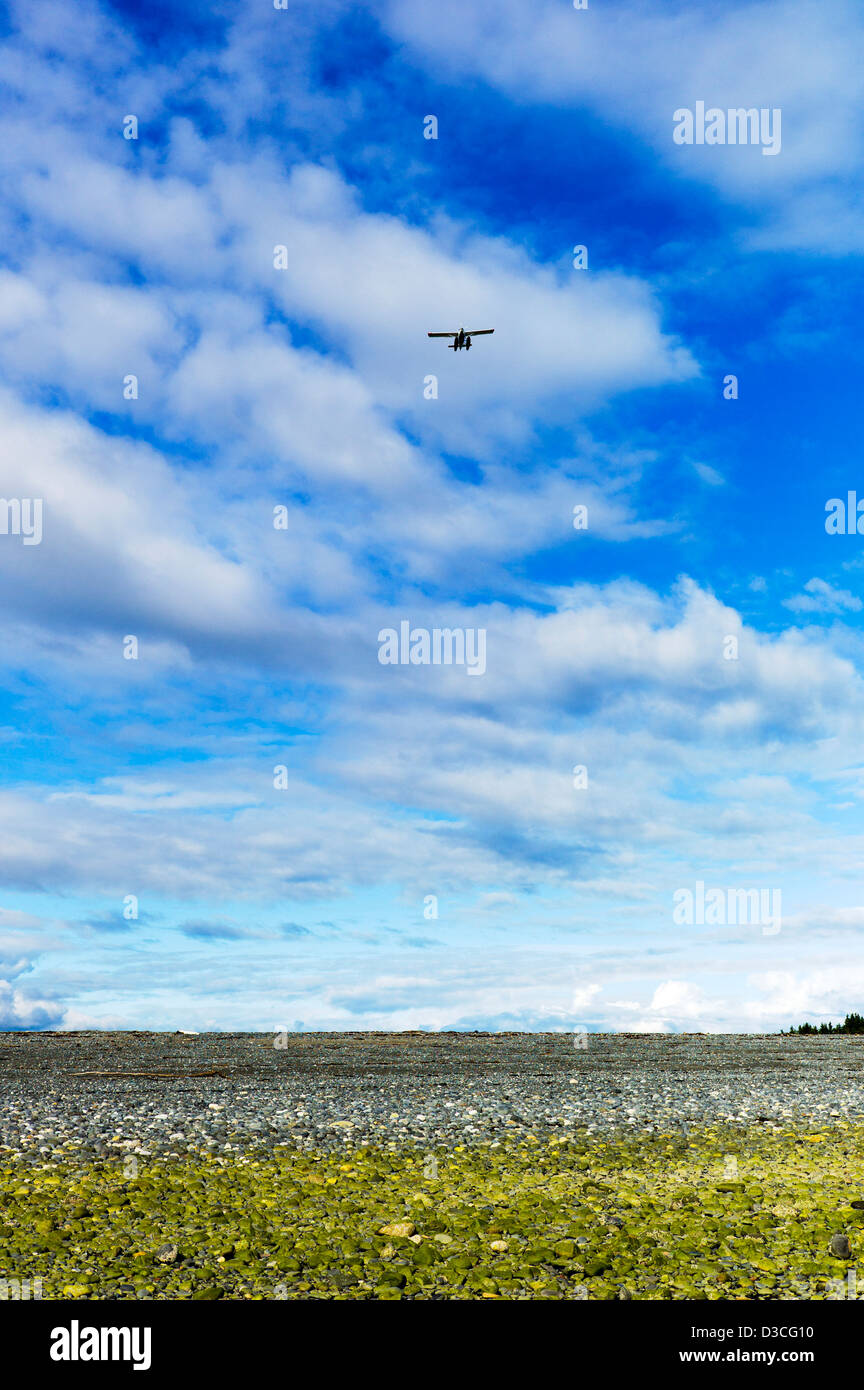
x: 462, y: 339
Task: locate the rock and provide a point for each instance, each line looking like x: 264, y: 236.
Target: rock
x: 401, y: 1230
x: 840, y: 1246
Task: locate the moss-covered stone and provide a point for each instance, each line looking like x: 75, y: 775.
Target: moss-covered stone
x: 618, y: 1217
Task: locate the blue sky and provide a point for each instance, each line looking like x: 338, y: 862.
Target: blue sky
x: 429, y: 862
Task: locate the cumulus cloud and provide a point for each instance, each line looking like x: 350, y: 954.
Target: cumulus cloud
x: 19, y: 1011
x: 20, y: 1004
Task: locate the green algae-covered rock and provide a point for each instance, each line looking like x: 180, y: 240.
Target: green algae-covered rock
x: 626, y: 1216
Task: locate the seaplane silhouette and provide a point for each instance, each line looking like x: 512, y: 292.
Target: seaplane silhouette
x: 462, y: 338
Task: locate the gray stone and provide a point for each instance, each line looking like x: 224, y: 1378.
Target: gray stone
x: 840, y: 1246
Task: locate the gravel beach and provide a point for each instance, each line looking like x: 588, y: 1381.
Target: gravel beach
x: 430, y: 1165
x: 321, y: 1091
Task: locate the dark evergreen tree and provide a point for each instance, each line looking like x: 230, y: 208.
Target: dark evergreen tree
x: 852, y: 1023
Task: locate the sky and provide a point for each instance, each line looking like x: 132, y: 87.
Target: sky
x: 220, y: 809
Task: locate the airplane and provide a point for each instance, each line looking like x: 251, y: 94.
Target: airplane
x: 463, y: 338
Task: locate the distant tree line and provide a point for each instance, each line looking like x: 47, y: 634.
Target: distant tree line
x: 852, y: 1023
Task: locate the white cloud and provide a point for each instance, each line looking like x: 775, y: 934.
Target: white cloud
x: 303, y: 387
x: 822, y: 597
x: 709, y: 475
x: 120, y: 541
x: 625, y: 62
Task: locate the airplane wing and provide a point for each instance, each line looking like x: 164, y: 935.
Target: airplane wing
x: 440, y: 335
x: 476, y: 332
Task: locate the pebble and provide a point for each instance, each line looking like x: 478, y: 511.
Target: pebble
x: 840, y: 1246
